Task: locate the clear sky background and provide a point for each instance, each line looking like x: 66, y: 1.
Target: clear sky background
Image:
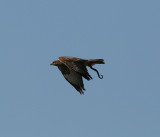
x: 35, y: 99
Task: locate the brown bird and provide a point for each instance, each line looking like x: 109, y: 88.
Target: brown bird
x: 73, y: 69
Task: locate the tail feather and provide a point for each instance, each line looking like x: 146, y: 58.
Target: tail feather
x: 91, y: 62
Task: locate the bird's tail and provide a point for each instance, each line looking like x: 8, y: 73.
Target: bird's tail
x: 91, y: 62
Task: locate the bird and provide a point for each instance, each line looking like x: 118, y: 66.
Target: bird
x: 73, y: 69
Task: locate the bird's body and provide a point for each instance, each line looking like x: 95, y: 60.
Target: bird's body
x: 73, y: 69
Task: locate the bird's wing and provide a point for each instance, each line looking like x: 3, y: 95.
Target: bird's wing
x: 77, y: 65
x: 71, y: 58
x: 74, y: 78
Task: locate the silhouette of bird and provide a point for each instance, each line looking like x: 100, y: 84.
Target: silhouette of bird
x: 73, y: 69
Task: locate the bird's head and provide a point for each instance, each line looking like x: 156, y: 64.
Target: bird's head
x: 56, y: 63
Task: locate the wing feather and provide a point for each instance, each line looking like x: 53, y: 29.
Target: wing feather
x: 75, y: 79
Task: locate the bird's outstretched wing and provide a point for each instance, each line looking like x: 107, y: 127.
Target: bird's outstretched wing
x: 76, y: 64
x: 74, y: 78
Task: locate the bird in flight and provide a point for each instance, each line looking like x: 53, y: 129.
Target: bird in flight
x: 73, y: 69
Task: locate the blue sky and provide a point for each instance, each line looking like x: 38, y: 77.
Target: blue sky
x: 35, y: 99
